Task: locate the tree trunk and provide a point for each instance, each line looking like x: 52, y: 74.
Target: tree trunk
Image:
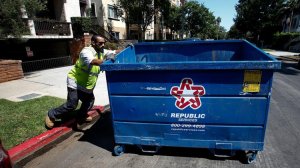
x: 127, y: 30
x: 291, y: 20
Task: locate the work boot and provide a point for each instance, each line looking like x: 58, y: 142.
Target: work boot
x: 49, y: 122
x: 88, y: 119
x: 84, y: 120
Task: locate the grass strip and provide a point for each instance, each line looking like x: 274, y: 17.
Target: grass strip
x: 20, y: 121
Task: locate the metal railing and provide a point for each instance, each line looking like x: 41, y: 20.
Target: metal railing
x: 100, y: 30
x: 51, y: 27
x: 29, y: 66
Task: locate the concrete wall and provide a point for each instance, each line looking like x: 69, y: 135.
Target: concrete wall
x: 118, y: 25
x: 72, y: 9
x: 99, y: 11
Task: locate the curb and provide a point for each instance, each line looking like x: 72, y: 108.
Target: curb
x: 34, y: 144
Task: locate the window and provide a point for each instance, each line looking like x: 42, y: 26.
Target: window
x: 93, y: 10
x: 115, y: 34
x: 112, y: 12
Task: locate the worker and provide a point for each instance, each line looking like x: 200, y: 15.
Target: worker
x: 81, y: 81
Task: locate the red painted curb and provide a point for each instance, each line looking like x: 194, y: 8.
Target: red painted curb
x: 32, y: 145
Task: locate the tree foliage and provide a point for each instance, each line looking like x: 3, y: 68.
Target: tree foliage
x: 33, y: 7
x: 11, y: 21
x: 173, y: 19
x: 198, y: 20
x: 162, y: 12
x: 258, y: 20
x: 191, y: 18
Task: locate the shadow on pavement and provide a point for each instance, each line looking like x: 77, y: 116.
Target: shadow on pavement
x: 289, y: 68
x: 101, y: 134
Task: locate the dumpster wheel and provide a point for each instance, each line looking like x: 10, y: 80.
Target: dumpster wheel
x: 119, y: 150
x: 250, y: 156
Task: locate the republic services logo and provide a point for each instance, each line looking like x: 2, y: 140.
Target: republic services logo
x: 187, y: 94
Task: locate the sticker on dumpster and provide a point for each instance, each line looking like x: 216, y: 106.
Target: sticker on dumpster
x: 252, y: 79
x: 187, y: 94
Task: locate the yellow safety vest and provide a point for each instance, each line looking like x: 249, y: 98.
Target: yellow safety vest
x: 84, y: 75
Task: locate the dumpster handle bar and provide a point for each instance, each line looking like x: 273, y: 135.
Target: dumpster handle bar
x: 149, y: 149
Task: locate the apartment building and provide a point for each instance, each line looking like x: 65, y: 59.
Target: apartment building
x: 47, y: 44
x: 114, y: 24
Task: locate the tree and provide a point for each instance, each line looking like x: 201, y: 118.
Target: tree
x: 33, y: 7
x: 10, y: 21
x: 162, y: 12
x: 218, y: 21
x: 11, y: 13
x: 173, y: 19
x: 138, y: 12
x: 287, y: 12
x: 234, y: 33
x: 258, y: 18
x: 198, y: 21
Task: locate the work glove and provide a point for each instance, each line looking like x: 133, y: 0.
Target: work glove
x: 110, y: 56
x: 129, y: 45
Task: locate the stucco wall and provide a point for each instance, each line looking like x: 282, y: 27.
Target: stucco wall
x: 72, y: 9
x: 118, y: 25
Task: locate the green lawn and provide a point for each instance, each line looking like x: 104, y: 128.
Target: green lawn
x: 20, y: 121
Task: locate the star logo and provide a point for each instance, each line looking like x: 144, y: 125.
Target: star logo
x: 187, y: 94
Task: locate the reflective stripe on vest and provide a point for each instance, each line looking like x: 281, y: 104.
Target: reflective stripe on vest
x: 86, y: 71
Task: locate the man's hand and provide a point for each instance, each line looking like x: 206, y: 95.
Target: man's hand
x: 110, y: 56
x: 96, y: 62
x: 129, y: 45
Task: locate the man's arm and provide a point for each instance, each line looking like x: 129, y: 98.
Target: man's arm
x: 96, y: 62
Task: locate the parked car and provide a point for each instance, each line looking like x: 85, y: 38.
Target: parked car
x: 4, y: 157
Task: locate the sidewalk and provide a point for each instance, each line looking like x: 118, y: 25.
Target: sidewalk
x: 51, y: 82
x: 282, y: 53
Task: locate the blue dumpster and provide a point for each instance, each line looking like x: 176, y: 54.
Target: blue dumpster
x: 200, y: 94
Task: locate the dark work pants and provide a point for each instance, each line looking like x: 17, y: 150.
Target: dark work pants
x: 74, y: 95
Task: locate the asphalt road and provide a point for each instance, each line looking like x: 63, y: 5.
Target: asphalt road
x: 93, y: 147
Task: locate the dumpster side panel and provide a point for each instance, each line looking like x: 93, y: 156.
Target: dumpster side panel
x: 189, y: 135
x: 191, y: 94
x: 216, y: 82
x: 145, y: 112
x: 214, y: 110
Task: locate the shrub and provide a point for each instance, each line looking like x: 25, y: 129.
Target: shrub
x: 111, y: 46
x: 81, y: 25
x: 282, y: 40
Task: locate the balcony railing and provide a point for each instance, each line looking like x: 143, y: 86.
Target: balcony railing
x: 100, y: 30
x: 51, y: 27
x: 82, y: 25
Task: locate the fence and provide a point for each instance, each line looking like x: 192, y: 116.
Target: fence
x: 30, y: 66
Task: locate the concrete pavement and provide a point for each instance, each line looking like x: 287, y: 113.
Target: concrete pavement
x: 282, y: 53
x: 50, y: 82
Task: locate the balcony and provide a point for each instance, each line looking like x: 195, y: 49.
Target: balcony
x: 46, y: 28
x: 51, y: 27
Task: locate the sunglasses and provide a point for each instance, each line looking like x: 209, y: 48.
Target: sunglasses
x: 100, y: 43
